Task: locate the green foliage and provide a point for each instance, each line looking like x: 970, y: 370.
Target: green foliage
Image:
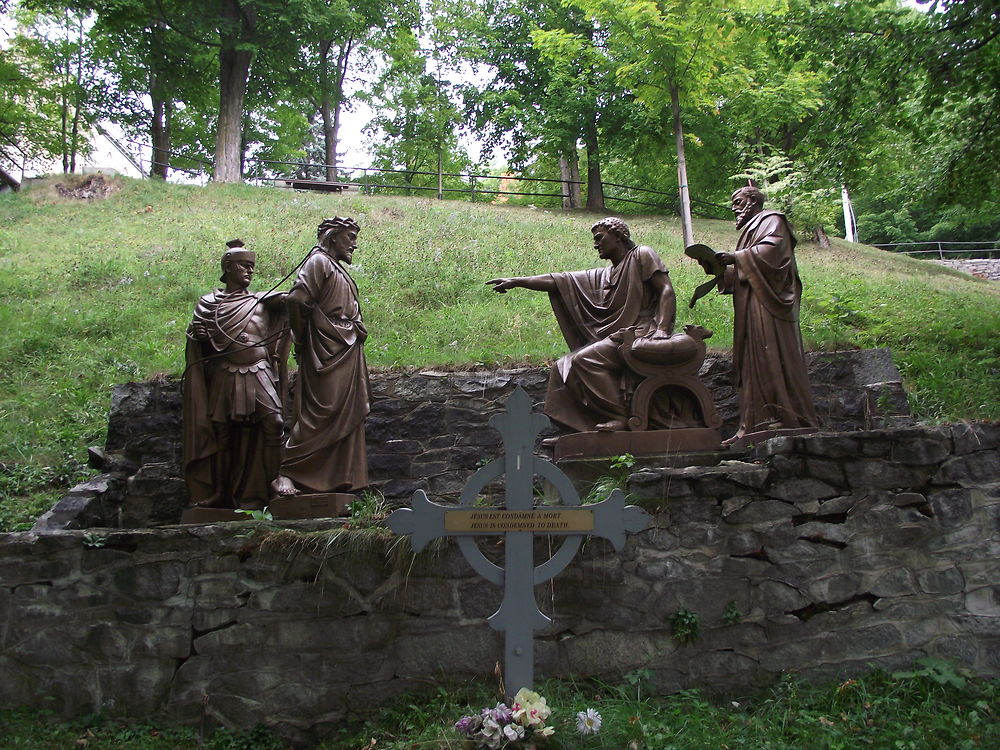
x: 256, y: 514
x: 30, y: 729
x: 258, y: 738
x: 416, y: 124
x: 875, y: 710
x: 94, y: 540
x: 937, y: 670
x: 809, y: 207
x: 58, y: 91
x: 616, y: 479
x: 368, y: 511
x: 684, y: 626
x: 623, y: 462
x: 732, y: 614
x: 28, y: 488
x: 913, y: 710
x: 642, y: 681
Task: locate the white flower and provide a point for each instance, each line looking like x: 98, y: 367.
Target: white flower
x: 492, y: 734
x: 513, y: 732
x: 588, y: 722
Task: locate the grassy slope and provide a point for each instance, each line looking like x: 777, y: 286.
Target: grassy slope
x: 92, y: 294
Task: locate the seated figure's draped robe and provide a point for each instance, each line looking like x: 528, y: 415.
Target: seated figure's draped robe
x: 230, y: 385
x: 325, y: 451
x: 768, y: 356
x: 589, y: 385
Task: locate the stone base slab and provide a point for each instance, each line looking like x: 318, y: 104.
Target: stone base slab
x: 740, y: 445
x: 318, y: 505
x: 291, y: 508
x: 645, y: 443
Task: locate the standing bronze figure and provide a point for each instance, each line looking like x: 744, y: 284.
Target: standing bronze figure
x: 589, y: 387
x: 233, y: 390
x: 768, y: 355
x: 325, y: 451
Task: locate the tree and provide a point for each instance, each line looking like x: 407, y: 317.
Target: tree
x: 416, y: 126
x: 543, y: 82
x: 669, y: 53
x: 958, y: 45
x: 334, y: 34
x: 237, y: 31
x: 155, y: 73
x: 55, y: 54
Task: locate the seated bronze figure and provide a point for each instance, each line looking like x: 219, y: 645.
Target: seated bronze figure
x: 593, y: 388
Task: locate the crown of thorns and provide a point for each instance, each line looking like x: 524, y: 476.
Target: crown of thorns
x: 615, y: 224
x: 338, y: 223
x: 752, y: 192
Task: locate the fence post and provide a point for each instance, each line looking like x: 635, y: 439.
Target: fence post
x: 440, y: 177
x: 940, y: 252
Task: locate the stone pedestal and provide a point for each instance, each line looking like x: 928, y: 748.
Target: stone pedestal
x: 318, y: 505
x: 294, y: 507
x: 644, y: 443
x: 742, y: 444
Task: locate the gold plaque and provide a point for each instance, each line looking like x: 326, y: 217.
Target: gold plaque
x: 502, y: 521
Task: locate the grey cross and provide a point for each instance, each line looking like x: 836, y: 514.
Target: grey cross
x: 519, y: 615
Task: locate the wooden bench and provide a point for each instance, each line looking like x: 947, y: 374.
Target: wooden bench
x: 294, y: 183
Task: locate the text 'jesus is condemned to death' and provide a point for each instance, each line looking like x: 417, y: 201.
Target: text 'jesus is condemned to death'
x: 502, y: 521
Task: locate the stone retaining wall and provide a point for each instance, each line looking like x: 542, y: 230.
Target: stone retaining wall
x: 822, y: 555
x: 987, y: 268
x: 427, y: 430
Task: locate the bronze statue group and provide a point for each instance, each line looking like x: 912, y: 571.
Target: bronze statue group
x: 239, y: 454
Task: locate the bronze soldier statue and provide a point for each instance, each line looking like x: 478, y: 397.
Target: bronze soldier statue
x: 233, y: 389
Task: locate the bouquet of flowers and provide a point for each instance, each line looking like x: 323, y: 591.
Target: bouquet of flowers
x: 508, y: 727
x: 521, y: 725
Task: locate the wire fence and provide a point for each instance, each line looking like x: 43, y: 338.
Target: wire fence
x: 945, y: 248
x: 371, y: 180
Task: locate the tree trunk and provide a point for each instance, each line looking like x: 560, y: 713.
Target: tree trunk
x: 331, y: 101
x: 682, y: 179
x: 595, y: 188
x: 64, y: 101
x: 159, y: 131
x: 326, y: 112
x: 574, y: 176
x: 819, y: 235
x: 788, y: 142
x: 234, y: 70
x: 567, y: 201
x: 78, y: 96
x: 569, y: 173
x: 159, y: 125
x: 850, y: 225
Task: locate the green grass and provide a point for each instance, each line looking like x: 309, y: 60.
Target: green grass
x: 94, y: 294
x: 931, y: 708
x: 41, y: 730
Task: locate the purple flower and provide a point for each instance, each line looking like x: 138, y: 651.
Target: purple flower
x: 468, y: 725
x: 500, y: 714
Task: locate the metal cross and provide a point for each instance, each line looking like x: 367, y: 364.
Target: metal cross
x: 519, y: 615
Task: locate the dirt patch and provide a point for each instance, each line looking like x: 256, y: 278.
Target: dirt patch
x: 92, y: 188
